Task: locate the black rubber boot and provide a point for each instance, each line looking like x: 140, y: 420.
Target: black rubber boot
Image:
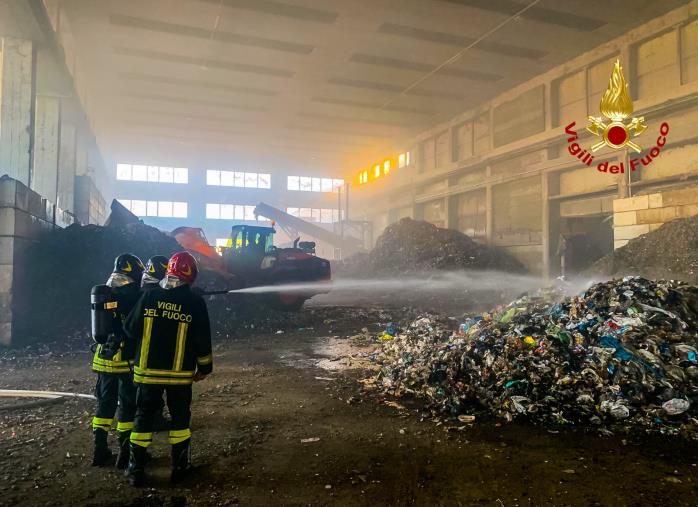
x: 122, y: 458
x: 181, y: 461
x: 102, y: 455
x: 135, y: 473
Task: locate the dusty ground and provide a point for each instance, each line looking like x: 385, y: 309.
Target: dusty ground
x: 269, y: 392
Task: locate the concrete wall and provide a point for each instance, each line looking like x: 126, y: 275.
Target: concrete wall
x: 514, y: 147
x: 23, y: 215
x: 90, y: 207
x: 635, y: 216
x: 16, y: 107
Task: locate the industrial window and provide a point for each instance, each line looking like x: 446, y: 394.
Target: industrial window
x: 597, y: 83
x: 656, y: 64
x: 232, y: 212
x: 481, y: 134
x: 308, y: 184
x: 429, y: 154
x: 152, y: 174
x: 572, y: 98
x: 520, y: 117
x: 443, y: 150
x: 322, y: 215
x: 403, y: 159
x: 463, y: 140
x: 140, y: 173
x: 237, y: 179
x: 163, y: 209
x: 689, y: 53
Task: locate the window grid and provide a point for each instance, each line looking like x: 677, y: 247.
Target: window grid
x: 162, y: 209
x: 322, y: 215
x: 238, y: 179
x: 152, y: 174
x: 310, y: 184
x: 244, y: 212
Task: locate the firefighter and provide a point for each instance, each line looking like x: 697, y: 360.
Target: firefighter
x: 112, y: 363
x: 171, y: 331
x: 154, y: 271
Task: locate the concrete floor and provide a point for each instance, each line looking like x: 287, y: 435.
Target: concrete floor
x: 268, y: 394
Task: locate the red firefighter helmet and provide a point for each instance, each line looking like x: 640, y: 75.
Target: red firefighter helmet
x: 183, y: 265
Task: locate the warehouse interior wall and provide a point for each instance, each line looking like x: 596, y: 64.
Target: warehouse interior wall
x: 509, y: 156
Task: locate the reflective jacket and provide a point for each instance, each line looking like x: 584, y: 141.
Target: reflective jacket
x: 172, y: 336
x: 125, y: 297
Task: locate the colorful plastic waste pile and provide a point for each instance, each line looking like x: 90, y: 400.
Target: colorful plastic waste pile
x: 621, y: 356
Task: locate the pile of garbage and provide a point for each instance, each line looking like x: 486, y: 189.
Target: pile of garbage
x: 53, y: 298
x: 413, y: 246
x: 623, y: 355
x: 670, y: 252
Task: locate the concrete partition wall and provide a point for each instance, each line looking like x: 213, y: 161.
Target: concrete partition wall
x: 23, y: 216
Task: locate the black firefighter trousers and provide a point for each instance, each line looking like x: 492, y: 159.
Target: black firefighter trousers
x: 115, y: 390
x: 149, y: 404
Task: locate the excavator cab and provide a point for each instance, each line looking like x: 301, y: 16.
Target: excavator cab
x: 247, y: 247
x: 251, y: 239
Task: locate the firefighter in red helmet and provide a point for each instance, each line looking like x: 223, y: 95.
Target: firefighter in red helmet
x: 171, y: 331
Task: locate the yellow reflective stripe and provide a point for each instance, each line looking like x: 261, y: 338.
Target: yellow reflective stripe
x: 204, y: 360
x: 145, y: 343
x: 110, y: 369
x: 101, y: 423
x: 166, y: 373
x: 107, y: 362
x: 142, y: 439
x: 162, y: 380
x: 124, y: 426
x: 177, y: 436
x: 181, y: 342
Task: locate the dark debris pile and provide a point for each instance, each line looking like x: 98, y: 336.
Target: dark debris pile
x: 414, y: 246
x: 621, y: 356
x: 63, y: 267
x: 670, y: 252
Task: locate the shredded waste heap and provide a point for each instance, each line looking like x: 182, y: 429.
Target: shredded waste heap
x: 623, y: 355
x: 669, y: 252
x: 66, y: 263
x: 414, y: 246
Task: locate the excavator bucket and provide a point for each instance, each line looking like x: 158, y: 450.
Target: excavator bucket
x: 120, y: 216
x: 194, y: 240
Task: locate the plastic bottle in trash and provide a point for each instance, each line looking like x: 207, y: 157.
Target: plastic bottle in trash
x: 676, y: 406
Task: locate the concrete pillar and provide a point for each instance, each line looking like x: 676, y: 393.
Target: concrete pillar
x: 452, y: 212
x: 16, y: 104
x: 47, y: 126
x: 489, y: 211
x: 81, y: 152
x: 67, y: 157
x: 550, y: 185
x: 547, y: 239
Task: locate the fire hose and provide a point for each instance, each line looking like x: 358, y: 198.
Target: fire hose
x: 46, y: 398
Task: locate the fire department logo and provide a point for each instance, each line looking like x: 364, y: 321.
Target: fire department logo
x: 616, y: 106
x: 614, y: 132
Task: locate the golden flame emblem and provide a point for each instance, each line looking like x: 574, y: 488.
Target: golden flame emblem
x: 616, y: 105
